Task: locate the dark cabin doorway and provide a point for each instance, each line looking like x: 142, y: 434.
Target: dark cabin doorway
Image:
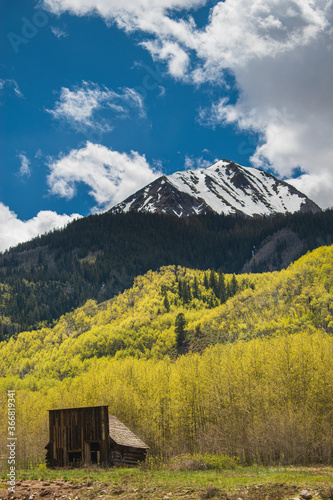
x: 95, y: 453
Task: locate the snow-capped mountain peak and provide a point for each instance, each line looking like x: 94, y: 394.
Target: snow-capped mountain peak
x: 223, y: 188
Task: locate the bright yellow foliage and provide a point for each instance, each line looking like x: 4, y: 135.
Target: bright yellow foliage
x: 257, y: 381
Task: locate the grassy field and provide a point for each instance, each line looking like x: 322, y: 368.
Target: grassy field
x: 246, y: 483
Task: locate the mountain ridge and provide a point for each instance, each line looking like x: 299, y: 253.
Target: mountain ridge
x: 223, y: 188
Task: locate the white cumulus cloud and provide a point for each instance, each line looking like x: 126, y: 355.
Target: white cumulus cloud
x: 14, y: 231
x: 176, y: 58
x: 316, y: 186
x: 80, y: 106
x: 25, y: 165
x: 111, y: 176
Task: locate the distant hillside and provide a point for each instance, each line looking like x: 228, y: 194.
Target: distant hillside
x: 99, y: 256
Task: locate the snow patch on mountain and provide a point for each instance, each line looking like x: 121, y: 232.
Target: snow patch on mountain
x: 223, y: 188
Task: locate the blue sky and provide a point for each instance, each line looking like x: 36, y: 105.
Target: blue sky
x: 97, y: 99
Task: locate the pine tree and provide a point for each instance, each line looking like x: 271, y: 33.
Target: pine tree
x: 187, y: 293
x: 181, y: 288
x: 166, y: 303
x: 212, y: 281
x: 195, y: 288
x: 205, y: 281
x: 233, y: 286
x: 222, y: 291
x: 180, y: 324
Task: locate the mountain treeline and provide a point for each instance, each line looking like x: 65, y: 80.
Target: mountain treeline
x: 250, y: 376
x: 99, y: 256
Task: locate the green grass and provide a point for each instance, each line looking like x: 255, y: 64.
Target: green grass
x: 247, y: 483
x: 316, y: 477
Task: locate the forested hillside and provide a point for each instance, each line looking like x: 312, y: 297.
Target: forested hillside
x: 192, y: 361
x: 141, y: 322
x: 98, y: 257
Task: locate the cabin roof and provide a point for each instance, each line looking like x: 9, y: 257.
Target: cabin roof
x: 122, y: 436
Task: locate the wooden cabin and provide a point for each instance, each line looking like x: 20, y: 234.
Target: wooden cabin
x: 88, y: 436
